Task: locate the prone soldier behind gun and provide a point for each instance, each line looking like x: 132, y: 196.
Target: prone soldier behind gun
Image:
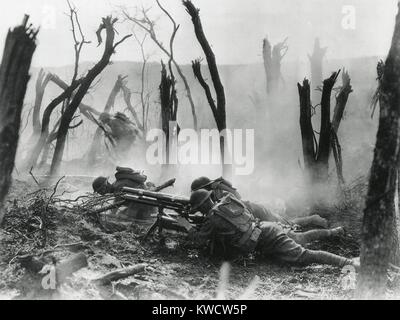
x: 230, y: 224
x: 221, y: 187
x: 126, y: 177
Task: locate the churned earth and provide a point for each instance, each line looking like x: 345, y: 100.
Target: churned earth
x: 49, y: 225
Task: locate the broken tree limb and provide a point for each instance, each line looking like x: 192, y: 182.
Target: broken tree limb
x: 107, y: 24
x: 341, y: 101
x: 41, y: 84
x: 38, y: 147
x: 216, y: 80
x: 148, y: 25
x: 14, y: 76
x: 120, y: 274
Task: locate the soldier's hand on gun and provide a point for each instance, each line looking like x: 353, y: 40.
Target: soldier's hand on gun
x: 184, y: 223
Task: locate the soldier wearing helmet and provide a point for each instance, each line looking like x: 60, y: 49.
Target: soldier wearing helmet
x: 221, y: 188
x: 230, y: 224
x: 126, y: 177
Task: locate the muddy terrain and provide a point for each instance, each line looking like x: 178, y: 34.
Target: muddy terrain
x: 51, y: 224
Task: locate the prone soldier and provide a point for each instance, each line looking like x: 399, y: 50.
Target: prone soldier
x: 127, y: 177
x: 221, y: 187
x: 230, y: 224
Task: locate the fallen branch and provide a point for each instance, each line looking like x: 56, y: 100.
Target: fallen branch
x: 120, y: 274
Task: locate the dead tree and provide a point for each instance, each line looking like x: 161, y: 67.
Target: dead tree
x: 341, y: 102
x: 316, y: 154
x: 34, y: 154
x: 68, y: 90
x: 148, y: 25
x: 41, y: 84
x: 379, y: 232
x: 218, y: 109
x: 273, y: 57
x: 169, y: 108
x: 96, y: 144
x: 316, y: 59
x: 14, y: 76
x: 68, y: 115
x: 380, y: 69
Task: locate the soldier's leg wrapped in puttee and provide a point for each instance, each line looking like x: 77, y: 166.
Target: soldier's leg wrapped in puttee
x: 274, y: 242
x: 323, y: 257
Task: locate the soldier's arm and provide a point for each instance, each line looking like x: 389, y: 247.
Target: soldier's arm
x: 199, y: 236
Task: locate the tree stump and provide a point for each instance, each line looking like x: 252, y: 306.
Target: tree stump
x: 14, y: 76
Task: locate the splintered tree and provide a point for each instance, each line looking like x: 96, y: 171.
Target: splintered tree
x: 149, y: 26
x: 341, y: 102
x: 169, y: 109
x: 379, y: 232
x: 273, y: 57
x: 46, y: 137
x: 218, y: 109
x: 316, y: 61
x: 14, y: 76
x: 42, y: 81
x: 316, y: 153
x: 85, y: 83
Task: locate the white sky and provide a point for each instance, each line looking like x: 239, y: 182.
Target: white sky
x: 235, y: 28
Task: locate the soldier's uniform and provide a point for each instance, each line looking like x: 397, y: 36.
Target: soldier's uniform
x: 221, y: 188
x: 127, y: 177
x: 231, y: 225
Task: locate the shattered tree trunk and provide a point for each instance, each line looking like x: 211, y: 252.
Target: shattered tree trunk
x: 14, y: 76
x: 96, y: 144
x: 41, y: 84
x: 108, y: 25
x: 169, y: 109
x: 341, y: 102
x: 379, y: 233
x: 267, y: 57
x: 306, y: 129
x: 316, y: 60
x: 324, y: 145
x: 272, y: 57
x: 316, y: 154
x: 219, y: 109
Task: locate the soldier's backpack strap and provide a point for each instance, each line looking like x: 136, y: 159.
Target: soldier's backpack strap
x: 235, y: 212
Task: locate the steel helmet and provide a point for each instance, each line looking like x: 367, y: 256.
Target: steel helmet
x: 198, y: 197
x: 98, y: 183
x: 200, y: 183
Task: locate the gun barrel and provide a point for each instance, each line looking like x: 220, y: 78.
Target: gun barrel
x: 155, y: 203
x: 157, y: 195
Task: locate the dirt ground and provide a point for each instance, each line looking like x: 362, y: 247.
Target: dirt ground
x: 47, y: 224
